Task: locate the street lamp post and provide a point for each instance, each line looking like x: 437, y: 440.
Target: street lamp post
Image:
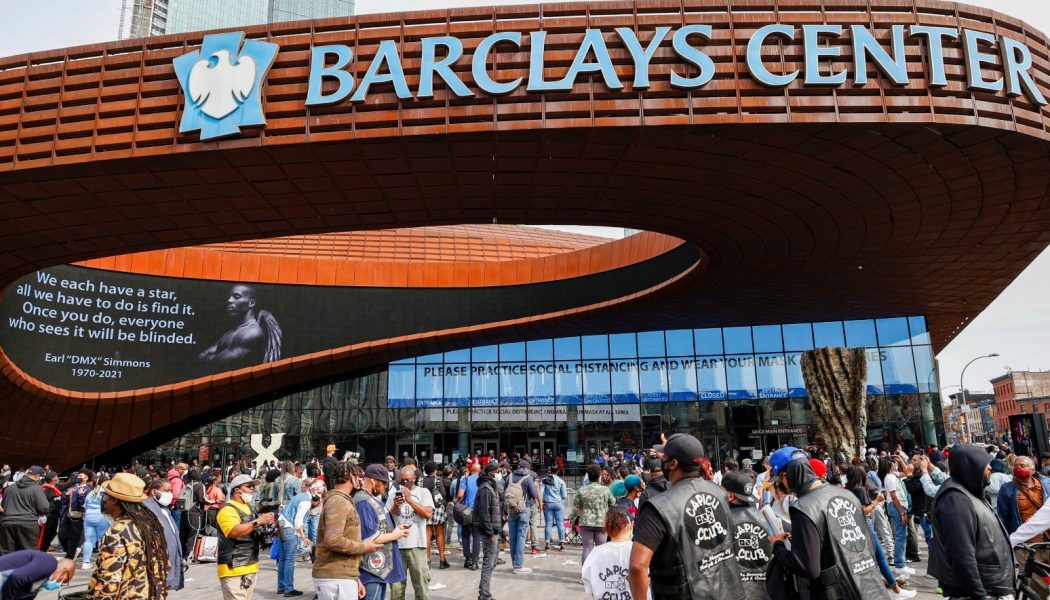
x: 962, y: 388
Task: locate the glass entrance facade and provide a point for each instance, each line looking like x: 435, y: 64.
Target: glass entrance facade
x: 736, y: 388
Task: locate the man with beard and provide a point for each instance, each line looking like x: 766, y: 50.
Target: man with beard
x: 254, y: 339
x: 382, y: 565
x: 831, y: 550
x: 971, y: 555
x: 657, y: 482
x: 753, y: 549
x: 683, y: 538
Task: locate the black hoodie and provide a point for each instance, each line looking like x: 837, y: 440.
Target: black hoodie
x: 971, y: 555
x: 25, y: 501
x: 803, y: 559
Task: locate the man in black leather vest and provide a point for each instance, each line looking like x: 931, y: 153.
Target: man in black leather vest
x: 683, y: 538
x: 971, y: 555
x: 753, y: 549
x: 831, y: 547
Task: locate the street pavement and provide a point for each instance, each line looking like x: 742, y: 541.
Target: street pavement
x: 555, y: 575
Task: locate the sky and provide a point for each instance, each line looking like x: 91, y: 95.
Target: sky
x: 1016, y: 325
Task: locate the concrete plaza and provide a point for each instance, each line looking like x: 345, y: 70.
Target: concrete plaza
x: 556, y: 575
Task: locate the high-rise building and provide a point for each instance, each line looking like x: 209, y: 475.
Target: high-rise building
x: 158, y: 17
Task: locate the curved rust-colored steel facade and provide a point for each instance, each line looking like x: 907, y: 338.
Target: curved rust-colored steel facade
x: 807, y: 203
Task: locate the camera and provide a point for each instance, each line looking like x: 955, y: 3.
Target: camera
x: 315, y: 498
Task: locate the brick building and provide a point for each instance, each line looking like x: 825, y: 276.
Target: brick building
x: 1017, y: 392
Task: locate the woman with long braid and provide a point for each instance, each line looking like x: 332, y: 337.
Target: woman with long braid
x: 132, y: 561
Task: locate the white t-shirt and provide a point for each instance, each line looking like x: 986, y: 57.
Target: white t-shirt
x: 605, y: 572
x: 893, y: 484
x: 417, y: 536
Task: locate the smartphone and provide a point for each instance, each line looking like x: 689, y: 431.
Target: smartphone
x: 399, y: 494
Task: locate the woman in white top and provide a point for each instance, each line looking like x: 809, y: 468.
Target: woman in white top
x: 605, y: 570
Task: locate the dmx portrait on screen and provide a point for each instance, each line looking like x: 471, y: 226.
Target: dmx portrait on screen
x: 255, y: 337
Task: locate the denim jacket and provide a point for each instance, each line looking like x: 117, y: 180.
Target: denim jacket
x: 554, y: 493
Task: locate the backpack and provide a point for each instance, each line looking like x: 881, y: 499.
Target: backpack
x: 514, y: 497
x: 185, y: 500
x: 436, y: 489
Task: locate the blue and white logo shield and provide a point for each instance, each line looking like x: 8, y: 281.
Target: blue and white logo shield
x: 222, y: 83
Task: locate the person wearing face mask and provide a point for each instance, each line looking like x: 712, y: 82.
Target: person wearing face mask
x: 1023, y: 496
x: 414, y: 506
x: 72, y: 530
x: 381, y: 566
x: 753, y: 549
x: 684, y: 542
x: 158, y: 501
x: 971, y: 555
x: 25, y: 573
x: 24, y: 505
x: 239, y: 540
x: 831, y: 553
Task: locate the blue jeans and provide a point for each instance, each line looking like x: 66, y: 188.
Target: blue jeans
x: 553, y: 516
x: 94, y: 529
x: 176, y: 515
x: 900, y: 536
x: 375, y: 591
x: 927, y: 529
x: 518, y: 526
x: 310, y: 528
x: 880, y: 557
x: 286, y: 563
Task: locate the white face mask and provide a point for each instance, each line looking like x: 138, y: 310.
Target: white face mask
x: 246, y: 498
x: 165, y: 498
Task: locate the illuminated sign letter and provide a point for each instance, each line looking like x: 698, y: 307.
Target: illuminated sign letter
x: 754, y: 56
x: 538, y: 40
x: 811, y: 35
x: 318, y: 71
x: 443, y: 67
x: 935, y: 50
x: 975, y: 59
x: 692, y: 56
x: 481, y: 56
x: 1017, y: 59
x: 592, y: 42
x: 385, y: 55
x: 641, y: 57
x: 865, y: 45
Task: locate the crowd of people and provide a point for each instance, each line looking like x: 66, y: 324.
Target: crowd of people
x: 660, y: 524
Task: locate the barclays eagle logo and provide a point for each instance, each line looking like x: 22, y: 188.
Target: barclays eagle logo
x: 221, y: 82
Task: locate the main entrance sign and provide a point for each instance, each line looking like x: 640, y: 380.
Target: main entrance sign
x: 218, y: 87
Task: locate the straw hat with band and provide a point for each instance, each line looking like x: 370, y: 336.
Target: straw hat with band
x: 125, y: 487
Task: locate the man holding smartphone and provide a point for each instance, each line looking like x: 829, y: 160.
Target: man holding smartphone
x: 383, y: 566
x: 413, y: 506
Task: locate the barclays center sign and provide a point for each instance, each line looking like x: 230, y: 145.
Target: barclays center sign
x: 222, y: 80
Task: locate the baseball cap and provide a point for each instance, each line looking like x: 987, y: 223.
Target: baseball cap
x: 240, y: 480
x: 35, y: 470
x: 684, y: 448
x: 377, y: 471
x: 524, y: 464
x: 491, y: 467
x: 819, y: 467
x: 741, y: 483
x: 779, y: 459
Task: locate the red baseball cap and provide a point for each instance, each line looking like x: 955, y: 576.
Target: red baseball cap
x: 819, y: 467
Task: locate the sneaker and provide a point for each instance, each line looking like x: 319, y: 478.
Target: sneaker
x: 85, y: 567
x: 905, y: 571
x: 293, y: 594
x: 444, y: 565
x: 500, y: 561
x: 914, y: 559
x: 534, y: 551
x: 561, y: 547
x: 522, y: 570
x: 904, y: 594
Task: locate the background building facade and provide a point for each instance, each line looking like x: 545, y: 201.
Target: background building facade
x: 159, y: 17
x: 738, y: 389
x: 1019, y: 392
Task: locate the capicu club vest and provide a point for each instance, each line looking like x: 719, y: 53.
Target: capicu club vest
x: 381, y: 562
x: 846, y: 544
x: 753, y: 550
x: 698, y: 522
x: 242, y: 551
